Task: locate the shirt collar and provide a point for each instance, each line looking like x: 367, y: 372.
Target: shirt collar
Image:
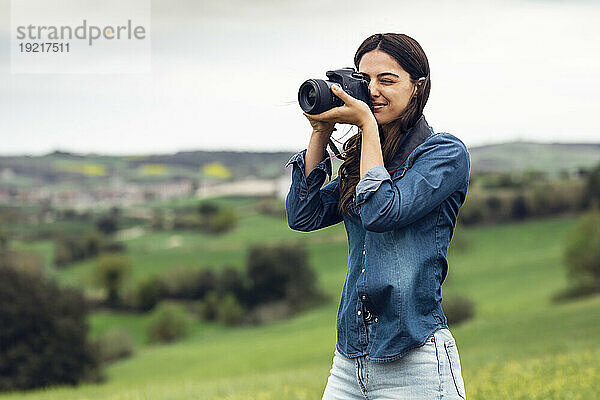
x: 412, y: 139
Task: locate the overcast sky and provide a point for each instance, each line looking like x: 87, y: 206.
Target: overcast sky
x: 225, y: 74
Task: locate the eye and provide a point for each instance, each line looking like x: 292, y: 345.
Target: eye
x: 386, y: 81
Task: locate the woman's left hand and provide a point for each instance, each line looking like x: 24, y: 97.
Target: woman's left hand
x: 354, y: 111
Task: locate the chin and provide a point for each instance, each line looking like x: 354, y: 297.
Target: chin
x: 382, y: 119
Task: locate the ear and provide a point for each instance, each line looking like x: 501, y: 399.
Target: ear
x: 417, y: 85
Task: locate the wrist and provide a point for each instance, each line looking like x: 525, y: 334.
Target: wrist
x: 319, y: 141
x: 321, y: 136
x: 368, y: 123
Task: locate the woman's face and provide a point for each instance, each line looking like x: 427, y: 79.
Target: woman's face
x: 389, y: 84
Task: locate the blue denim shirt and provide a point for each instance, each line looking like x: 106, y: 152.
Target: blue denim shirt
x: 398, y: 237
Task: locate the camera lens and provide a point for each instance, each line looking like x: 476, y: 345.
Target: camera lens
x: 307, y: 96
x: 311, y: 97
x: 315, y: 96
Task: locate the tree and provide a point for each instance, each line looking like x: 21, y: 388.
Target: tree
x: 168, y: 323
x: 458, y: 309
x: 3, y: 247
x: 148, y: 293
x: 43, y: 333
x: 593, y: 186
x: 208, y: 208
x: 216, y: 218
x: 108, y: 224
x: 282, y: 272
x: 224, y: 220
x: 231, y: 280
x: 3, y: 240
x: 110, y: 273
x: 230, y: 311
x: 519, y: 209
x: 582, y: 253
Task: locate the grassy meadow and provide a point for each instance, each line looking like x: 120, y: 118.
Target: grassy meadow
x: 520, y: 345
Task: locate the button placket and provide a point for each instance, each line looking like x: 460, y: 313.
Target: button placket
x: 364, y: 259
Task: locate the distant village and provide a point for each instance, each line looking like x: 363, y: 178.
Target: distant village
x: 118, y: 192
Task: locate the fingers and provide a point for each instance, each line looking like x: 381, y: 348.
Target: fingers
x: 339, y: 92
x: 327, y: 116
x: 345, y: 114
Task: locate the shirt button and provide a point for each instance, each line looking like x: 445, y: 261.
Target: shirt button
x: 358, y: 312
x: 367, y: 315
x: 363, y: 270
x: 376, y: 319
x: 363, y: 297
x: 364, y: 252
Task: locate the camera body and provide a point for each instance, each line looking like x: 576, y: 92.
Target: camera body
x: 315, y: 95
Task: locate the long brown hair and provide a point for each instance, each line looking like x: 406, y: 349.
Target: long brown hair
x: 411, y: 57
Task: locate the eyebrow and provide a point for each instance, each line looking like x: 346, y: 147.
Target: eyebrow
x: 387, y: 73
x: 381, y: 75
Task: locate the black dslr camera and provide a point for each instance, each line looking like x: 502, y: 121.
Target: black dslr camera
x: 315, y: 95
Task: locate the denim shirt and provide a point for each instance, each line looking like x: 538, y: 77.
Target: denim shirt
x: 398, y: 237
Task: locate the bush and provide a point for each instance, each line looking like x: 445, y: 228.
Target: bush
x: 114, y: 345
x: 110, y: 273
x: 3, y: 240
x: 268, y: 312
x: 31, y: 263
x: 192, y: 221
x: 473, y: 211
x: 148, y: 293
x: 92, y: 242
x: 582, y: 254
x: 187, y: 283
x: 71, y: 248
x: 108, y: 224
x: 168, y: 323
x: 519, y: 208
x: 231, y: 280
x: 230, y: 311
x: 458, y: 309
x: 208, y: 309
x: 157, y: 222
x: 574, y: 292
x: 535, y: 199
x: 272, y: 207
x: 557, y: 198
x: 592, y: 189
x: 206, y: 281
x: 43, y: 333
x: 208, y: 217
x: 113, y: 247
x: 282, y: 272
x: 208, y: 208
x: 224, y: 220
x: 269, y: 273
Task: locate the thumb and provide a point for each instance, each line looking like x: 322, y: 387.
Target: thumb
x: 339, y: 92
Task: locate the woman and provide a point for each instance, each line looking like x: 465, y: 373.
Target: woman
x: 398, y: 192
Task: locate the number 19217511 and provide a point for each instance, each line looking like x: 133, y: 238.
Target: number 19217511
x: 44, y: 47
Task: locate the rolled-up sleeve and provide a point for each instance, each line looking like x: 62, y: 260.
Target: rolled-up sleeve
x: 310, y: 205
x: 441, y: 167
x: 370, y: 182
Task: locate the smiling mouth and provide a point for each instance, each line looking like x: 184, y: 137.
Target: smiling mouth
x: 377, y: 107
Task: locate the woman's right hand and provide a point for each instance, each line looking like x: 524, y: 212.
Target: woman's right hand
x: 323, y: 129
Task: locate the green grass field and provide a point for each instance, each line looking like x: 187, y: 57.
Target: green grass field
x: 519, y: 345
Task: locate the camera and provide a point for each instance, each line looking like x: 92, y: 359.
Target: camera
x: 315, y: 95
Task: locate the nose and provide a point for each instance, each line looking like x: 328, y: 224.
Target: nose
x: 373, y: 89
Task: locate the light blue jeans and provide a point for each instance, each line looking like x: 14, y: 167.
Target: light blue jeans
x: 431, y: 371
